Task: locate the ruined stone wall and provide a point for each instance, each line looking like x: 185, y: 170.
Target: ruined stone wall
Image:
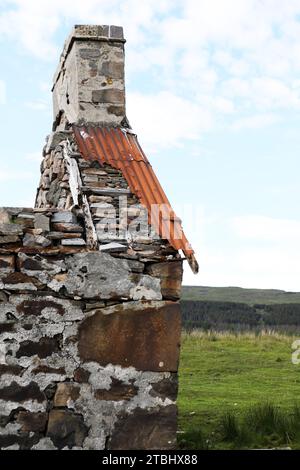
x: 89, y: 312
x: 89, y: 340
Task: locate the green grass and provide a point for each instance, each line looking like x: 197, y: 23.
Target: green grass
x: 240, y: 295
x: 238, y: 391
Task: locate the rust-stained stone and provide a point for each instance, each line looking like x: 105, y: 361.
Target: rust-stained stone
x: 116, y: 110
x: 43, y: 348
x: 146, y: 429
x: 81, y: 375
x: 66, y: 429
x: 65, y: 393
x: 43, y: 369
x: 35, y: 306
x: 10, y: 369
x: 30, y: 250
x: 170, y: 274
x: 110, y: 95
x: 144, y: 335
x: 166, y: 388
x: 27, y: 307
x: 118, y: 391
x: 20, y: 281
x: 24, y: 441
x: 17, y: 393
x: 30, y: 264
x: 32, y: 422
x: 63, y: 235
x: 66, y: 227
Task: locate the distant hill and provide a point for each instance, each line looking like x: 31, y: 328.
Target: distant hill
x: 240, y: 295
x: 237, y: 309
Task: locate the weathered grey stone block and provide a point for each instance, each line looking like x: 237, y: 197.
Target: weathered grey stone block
x: 108, y: 96
x: 116, y: 32
x: 42, y: 222
x: 10, y: 229
x: 99, y: 275
x: 89, y: 53
x: 112, y: 69
x: 35, y: 240
x: 28, y: 309
x: 64, y: 217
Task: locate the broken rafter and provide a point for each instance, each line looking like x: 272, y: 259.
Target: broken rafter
x: 79, y: 198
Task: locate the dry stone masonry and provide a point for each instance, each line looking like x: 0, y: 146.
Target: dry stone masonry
x: 89, y: 84
x: 89, y: 292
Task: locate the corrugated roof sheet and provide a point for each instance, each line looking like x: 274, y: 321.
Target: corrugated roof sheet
x: 120, y: 148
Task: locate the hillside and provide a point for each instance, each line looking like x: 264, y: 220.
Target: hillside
x: 237, y: 309
x: 240, y: 295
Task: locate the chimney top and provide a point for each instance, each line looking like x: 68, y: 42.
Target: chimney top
x: 84, y: 32
x: 89, y: 83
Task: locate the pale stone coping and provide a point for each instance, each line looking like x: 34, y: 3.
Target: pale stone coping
x: 102, y: 33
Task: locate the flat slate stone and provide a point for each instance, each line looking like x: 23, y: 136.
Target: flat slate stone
x: 146, y: 430
x: 6, y: 239
x: 113, y: 247
x: 10, y: 229
x: 65, y: 217
x: 73, y: 242
x: 144, y: 335
x: 106, y: 191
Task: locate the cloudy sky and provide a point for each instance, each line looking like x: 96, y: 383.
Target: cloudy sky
x: 214, y: 96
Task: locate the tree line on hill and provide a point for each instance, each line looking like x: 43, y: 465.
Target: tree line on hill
x: 239, y: 317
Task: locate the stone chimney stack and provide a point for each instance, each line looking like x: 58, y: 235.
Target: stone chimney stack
x: 89, y: 84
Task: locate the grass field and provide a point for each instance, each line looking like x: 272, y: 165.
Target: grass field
x: 223, y: 377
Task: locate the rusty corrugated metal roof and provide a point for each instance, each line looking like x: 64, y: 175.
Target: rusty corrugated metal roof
x: 120, y: 148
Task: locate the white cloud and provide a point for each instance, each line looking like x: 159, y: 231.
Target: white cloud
x: 273, y: 93
x: 263, y: 93
x: 2, y: 92
x: 165, y: 118
x: 33, y: 24
x: 267, y: 228
x: 268, y: 267
x: 263, y: 252
x: 256, y: 121
x: 235, y: 57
